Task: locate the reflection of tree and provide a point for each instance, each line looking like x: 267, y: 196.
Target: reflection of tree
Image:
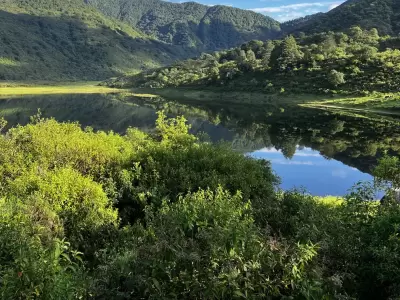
x: 343, y: 136
x: 288, y: 148
x: 336, y: 126
x: 332, y: 147
x: 328, y: 150
x: 267, y: 139
x: 285, y: 143
x: 355, y: 153
x: 371, y: 149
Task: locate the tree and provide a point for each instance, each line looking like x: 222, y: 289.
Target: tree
x: 266, y: 53
x: 250, y: 56
x: 254, y: 45
x: 213, y: 73
x: 336, y: 78
x: 242, y: 55
x: 373, y: 34
x: 356, y: 33
x: 329, y: 45
x: 290, y: 53
x: 367, y: 52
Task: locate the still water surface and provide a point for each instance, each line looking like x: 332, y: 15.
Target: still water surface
x: 311, y: 171
x: 323, y: 152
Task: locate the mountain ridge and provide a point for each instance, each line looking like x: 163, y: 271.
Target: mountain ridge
x: 383, y: 15
x: 190, y: 23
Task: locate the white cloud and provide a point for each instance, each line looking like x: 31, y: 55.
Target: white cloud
x: 334, y: 5
x: 292, y: 11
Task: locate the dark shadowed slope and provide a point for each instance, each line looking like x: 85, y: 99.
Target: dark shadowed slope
x: 57, y: 40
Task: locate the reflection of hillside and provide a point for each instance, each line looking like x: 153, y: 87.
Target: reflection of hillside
x: 98, y: 111
x: 354, y: 140
x: 106, y: 112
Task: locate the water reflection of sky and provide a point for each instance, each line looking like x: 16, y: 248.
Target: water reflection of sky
x: 310, y: 170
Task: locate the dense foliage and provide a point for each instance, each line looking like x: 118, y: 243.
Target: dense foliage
x: 359, y: 61
x: 191, y: 24
x: 95, y: 215
x: 50, y: 40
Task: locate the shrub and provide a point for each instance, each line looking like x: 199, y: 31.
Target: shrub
x: 55, y: 144
x: 336, y: 78
x: 32, y: 268
x: 163, y: 215
x: 204, y: 246
x: 79, y: 203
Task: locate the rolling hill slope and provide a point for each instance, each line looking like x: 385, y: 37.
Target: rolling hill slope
x: 58, y: 40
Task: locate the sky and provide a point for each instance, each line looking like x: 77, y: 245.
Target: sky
x: 281, y: 10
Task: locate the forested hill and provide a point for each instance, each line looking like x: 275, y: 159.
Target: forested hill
x: 56, y: 39
x: 353, y: 62
x: 383, y: 15
x: 191, y: 24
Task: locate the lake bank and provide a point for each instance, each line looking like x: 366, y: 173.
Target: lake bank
x: 379, y: 103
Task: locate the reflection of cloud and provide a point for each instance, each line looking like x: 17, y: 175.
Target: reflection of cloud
x: 291, y: 162
x: 339, y: 173
x: 267, y: 150
x: 303, y: 154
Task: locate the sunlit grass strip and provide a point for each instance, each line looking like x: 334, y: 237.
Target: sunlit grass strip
x: 11, y: 91
x: 45, y: 90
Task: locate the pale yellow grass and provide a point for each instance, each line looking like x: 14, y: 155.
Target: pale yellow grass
x: 70, y: 88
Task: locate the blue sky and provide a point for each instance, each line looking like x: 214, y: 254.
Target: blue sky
x: 281, y: 10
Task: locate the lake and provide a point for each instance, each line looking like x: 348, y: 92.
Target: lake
x: 311, y: 171
x: 323, y: 152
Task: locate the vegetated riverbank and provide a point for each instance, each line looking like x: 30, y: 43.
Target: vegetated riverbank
x: 160, y: 216
x: 380, y: 103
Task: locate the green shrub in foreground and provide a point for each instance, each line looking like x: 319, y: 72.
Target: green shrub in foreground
x: 163, y: 215
x: 206, y: 246
x: 33, y: 267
